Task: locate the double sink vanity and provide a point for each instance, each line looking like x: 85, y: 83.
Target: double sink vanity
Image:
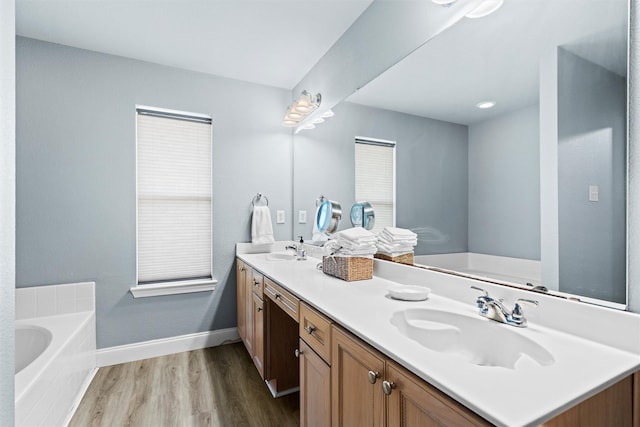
x: 360, y: 357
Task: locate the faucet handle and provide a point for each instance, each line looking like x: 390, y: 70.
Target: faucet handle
x: 486, y: 294
x: 517, y: 313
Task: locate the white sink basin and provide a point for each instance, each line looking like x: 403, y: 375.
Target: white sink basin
x: 280, y: 256
x: 478, y: 340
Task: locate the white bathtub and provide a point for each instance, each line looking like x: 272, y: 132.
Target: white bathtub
x: 488, y: 267
x: 55, y: 359
x: 31, y: 342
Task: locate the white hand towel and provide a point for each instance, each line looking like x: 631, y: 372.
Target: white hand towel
x: 261, y: 228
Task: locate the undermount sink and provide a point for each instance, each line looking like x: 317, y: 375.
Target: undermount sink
x: 478, y: 340
x: 280, y: 256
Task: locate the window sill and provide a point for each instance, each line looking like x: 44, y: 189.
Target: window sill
x: 173, y: 288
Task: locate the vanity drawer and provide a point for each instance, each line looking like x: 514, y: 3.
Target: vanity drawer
x: 257, y: 284
x: 283, y: 299
x: 315, y: 330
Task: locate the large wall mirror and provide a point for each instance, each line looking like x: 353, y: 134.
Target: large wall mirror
x: 534, y: 186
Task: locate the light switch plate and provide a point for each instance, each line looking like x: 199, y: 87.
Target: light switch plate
x: 302, y: 217
x: 280, y: 217
x: 593, y: 193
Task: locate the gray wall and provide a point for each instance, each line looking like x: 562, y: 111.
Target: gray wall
x: 76, y: 180
x: 431, y: 172
x: 591, y: 151
x: 7, y: 211
x: 504, y: 185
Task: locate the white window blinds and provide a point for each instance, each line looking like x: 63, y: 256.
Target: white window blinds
x: 174, y: 196
x: 375, y: 179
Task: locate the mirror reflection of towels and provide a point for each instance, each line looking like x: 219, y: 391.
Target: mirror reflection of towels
x: 261, y: 227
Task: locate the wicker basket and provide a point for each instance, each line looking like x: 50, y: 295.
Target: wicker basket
x: 348, y: 268
x: 402, y: 259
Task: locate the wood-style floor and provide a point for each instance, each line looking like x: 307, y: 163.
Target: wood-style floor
x: 216, y: 386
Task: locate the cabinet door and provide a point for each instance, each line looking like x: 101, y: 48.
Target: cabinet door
x: 414, y: 403
x: 241, y: 300
x: 356, y: 376
x: 258, y: 333
x: 248, y: 312
x: 315, y: 389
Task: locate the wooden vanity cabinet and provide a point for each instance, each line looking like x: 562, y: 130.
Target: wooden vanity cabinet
x: 359, y: 376
x: 250, y: 306
x: 356, y: 376
x: 315, y: 389
x: 315, y: 368
x: 241, y: 299
x: 413, y: 402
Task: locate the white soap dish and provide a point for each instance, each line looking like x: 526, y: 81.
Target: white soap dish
x: 409, y: 293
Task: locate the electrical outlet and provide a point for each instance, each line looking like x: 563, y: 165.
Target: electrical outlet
x: 302, y: 217
x: 279, y: 217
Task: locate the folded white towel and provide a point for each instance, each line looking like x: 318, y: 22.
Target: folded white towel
x: 356, y: 234
x: 399, y: 233
x: 261, y: 228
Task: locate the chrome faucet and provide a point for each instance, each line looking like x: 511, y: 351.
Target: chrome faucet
x: 301, y: 254
x: 495, y: 310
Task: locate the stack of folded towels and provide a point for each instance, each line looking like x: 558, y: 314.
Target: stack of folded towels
x: 352, y: 242
x: 394, y: 241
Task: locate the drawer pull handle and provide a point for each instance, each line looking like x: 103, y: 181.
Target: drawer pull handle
x: 387, y: 387
x: 259, y: 309
x: 298, y: 352
x: 310, y: 329
x: 278, y: 296
x: 256, y: 283
x: 373, y: 376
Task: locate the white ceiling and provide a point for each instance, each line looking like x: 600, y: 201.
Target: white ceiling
x: 497, y: 58
x: 271, y: 42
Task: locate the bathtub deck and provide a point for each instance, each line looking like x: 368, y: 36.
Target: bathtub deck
x: 217, y: 386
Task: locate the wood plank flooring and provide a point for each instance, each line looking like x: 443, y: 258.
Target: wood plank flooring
x: 216, y: 386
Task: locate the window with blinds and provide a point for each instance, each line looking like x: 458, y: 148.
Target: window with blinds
x: 376, y: 179
x: 174, y: 165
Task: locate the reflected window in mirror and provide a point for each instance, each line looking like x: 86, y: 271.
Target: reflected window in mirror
x: 375, y: 171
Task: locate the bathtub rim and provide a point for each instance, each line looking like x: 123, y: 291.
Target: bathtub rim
x: 63, y: 328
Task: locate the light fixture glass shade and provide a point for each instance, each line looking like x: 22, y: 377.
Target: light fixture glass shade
x: 444, y: 2
x: 327, y: 114
x: 317, y: 120
x: 301, y: 108
x: 485, y: 8
x: 292, y: 115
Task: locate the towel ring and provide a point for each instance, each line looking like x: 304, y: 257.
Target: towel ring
x: 257, y: 198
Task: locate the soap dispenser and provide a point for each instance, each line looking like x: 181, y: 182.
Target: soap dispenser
x: 302, y: 253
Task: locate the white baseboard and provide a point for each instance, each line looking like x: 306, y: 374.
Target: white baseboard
x: 164, y: 346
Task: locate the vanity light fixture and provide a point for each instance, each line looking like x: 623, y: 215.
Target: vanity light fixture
x: 317, y: 120
x: 485, y: 104
x: 327, y: 114
x: 485, y: 8
x: 301, y: 108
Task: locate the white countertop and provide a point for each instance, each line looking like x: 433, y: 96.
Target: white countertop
x: 525, y: 396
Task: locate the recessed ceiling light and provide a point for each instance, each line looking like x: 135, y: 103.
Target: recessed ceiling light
x: 485, y: 8
x: 485, y: 104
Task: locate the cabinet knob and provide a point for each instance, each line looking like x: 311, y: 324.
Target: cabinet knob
x: 259, y: 309
x: 255, y: 282
x: 298, y: 352
x: 373, y: 376
x: 242, y: 269
x: 277, y: 296
x: 387, y: 387
x: 310, y: 329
